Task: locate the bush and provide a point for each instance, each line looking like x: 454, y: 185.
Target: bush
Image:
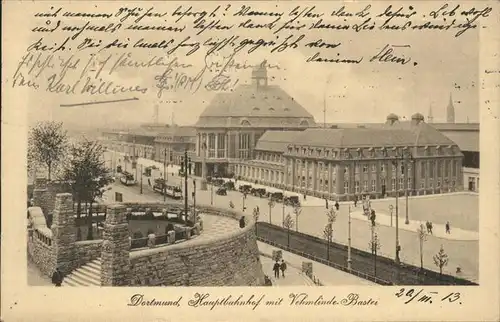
x: 137, y: 234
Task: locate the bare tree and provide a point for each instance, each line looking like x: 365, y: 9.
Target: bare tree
x: 374, y: 246
x: 328, y: 235
x: 331, y: 215
x: 441, y: 259
x: 422, y: 237
x: 47, y: 144
x: 288, y: 224
x: 88, y: 175
x: 297, y: 210
x: 271, y: 205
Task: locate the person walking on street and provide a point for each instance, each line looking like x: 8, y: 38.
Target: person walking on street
x: 430, y: 227
x: 276, y: 269
x: 57, y: 277
x: 337, y: 205
x: 305, y: 196
x: 149, y: 182
x: 355, y: 202
x: 326, y: 201
x: 447, y: 227
x: 283, y: 268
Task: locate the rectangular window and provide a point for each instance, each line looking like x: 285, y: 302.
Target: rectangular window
x: 382, y: 167
x: 431, y: 169
x: 446, y: 167
x: 409, y: 183
x: 346, y: 170
x: 439, y: 168
x: 401, y: 184
x: 356, y: 168
x: 374, y: 167
x: 356, y: 186
x: 382, y: 182
x: 454, y: 167
x: 221, y: 146
x: 211, y: 145
x: 439, y: 183
x: 327, y: 153
x: 365, y: 168
x: 422, y: 184
x: 393, y: 168
x: 422, y: 169
x: 452, y: 183
x: 374, y: 187
x: 393, y: 184
x: 346, y: 186
x: 365, y: 185
x: 431, y: 184
x: 346, y: 155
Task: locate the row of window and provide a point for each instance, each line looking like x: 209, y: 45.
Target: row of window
x: 271, y: 157
x: 272, y: 176
x: 370, y: 152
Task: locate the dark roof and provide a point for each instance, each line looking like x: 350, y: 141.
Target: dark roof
x: 177, y: 131
x: 405, y: 133
x: 276, y: 141
x: 456, y: 126
x: 466, y: 140
x: 247, y: 101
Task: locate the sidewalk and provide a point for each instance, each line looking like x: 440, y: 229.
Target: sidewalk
x: 327, y: 275
x: 293, y: 276
x: 438, y: 230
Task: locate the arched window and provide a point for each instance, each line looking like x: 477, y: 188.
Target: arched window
x: 304, y: 123
x: 245, y: 122
x: 271, y: 108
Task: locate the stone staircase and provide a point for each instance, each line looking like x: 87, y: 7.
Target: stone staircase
x: 87, y: 275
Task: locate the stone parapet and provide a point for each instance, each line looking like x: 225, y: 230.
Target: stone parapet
x: 63, y: 232
x: 115, y: 258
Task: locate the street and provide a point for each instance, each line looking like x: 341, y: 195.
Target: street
x: 312, y: 220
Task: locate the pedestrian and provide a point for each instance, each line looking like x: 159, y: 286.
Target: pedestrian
x: 57, y: 277
x: 427, y: 225
x: 283, y: 268
x: 355, y: 202
x: 304, y: 196
x: 326, y: 201
x: 430, y: 227
x: 337, y: 205
x: 258, y: 210
x: 242, y: 222
x: 447, y: 227
x: 149, y: 182
x: 276, y: 269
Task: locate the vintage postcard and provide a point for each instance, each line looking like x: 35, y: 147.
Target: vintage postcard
x: 250, y: 160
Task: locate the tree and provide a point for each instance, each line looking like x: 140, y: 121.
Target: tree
x: 331, y: 215
x: 422, y: 237
x: 256, y: 215
x: 297, y: 210
x: 374, y: 246
x: 47, y: 145
x: 441, y: 259
x: 88, y: 175
x: 271, y: 205
x: 288, y: 224
x: 328, y: 234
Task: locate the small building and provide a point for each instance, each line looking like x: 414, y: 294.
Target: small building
x: 171, y: 144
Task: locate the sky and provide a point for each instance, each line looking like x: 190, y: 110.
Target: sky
x: 367, y: 92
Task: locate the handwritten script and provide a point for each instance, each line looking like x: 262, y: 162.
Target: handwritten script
x: 141, y: 50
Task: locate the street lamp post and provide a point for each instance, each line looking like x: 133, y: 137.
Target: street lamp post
x: 186, y: 161
x: 244, y: 196
x: 194, y: 200
x: 211, y: 194
x: 349, y: 259
x: 141, y: 178
x: 396, y: 163
x: 164, y: 175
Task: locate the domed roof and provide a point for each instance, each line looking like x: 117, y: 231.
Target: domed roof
x: 417, y: 116
x: 392, y: 117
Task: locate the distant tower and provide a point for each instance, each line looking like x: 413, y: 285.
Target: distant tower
x: 259, y: 75
x: 430, y: 117
x: 450, y: 111
x: 156, y: 114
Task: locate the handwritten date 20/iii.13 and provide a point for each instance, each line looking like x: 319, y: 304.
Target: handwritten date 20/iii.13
x: 410, y: 295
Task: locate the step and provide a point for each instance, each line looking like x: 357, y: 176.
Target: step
x: 75, y: 281
x: 87, y: 279
x: 95, y: 265
x: 94, y: 268
x: 68, y: 282
x: 91, y: 274
x: 82, y: 280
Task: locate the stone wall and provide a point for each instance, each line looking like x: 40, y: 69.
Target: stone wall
x: 228, y: 260
x: 42, y: 254
x: 44, y: 195
x: 87, y: 251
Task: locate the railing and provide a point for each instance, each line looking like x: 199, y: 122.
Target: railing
x: 328, y: 263
x: 43, y: 238
x: 143, y: 242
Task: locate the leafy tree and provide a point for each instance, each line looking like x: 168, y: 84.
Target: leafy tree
x: 328, y: 235
x: 441, y: 259
x: 288, y: 224
x: 88, y: 175
x: 271, y: 205
x: 47, y: 145
x: 297, y: 210
x: 422, y: 237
